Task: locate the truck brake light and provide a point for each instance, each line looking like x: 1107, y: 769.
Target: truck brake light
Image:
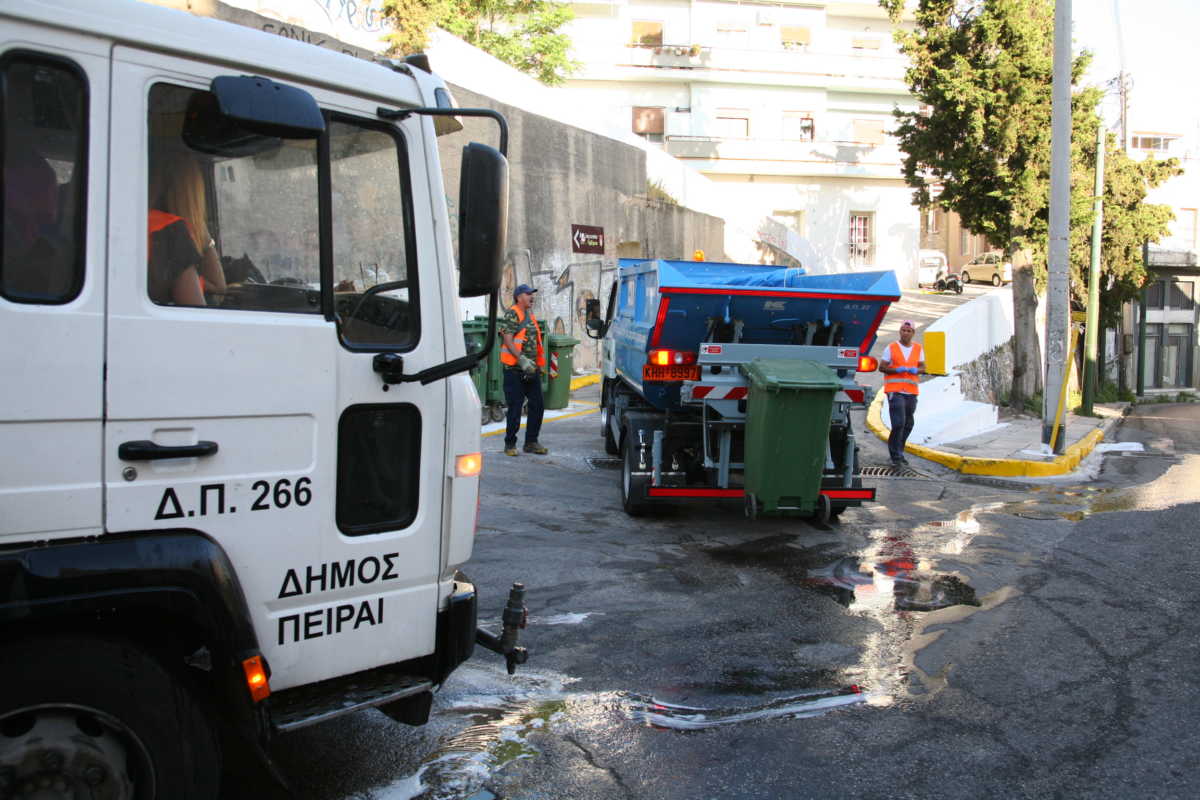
x: 256, y: 678
x: 867, y: 364
x: 667, y: 358
x: 469, y: 465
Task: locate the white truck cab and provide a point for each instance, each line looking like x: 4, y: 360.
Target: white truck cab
x: 239, y: 451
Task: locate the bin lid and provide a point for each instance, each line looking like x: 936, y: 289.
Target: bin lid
x: 790, y: 373
x: 561, y: 340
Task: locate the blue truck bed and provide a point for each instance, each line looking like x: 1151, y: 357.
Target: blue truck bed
x: 675, y: 305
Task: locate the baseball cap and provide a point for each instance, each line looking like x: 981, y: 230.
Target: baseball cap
x: 909, y: 323
x: 523, y: 288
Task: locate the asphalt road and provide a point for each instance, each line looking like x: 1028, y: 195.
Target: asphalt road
x: 953, y: 640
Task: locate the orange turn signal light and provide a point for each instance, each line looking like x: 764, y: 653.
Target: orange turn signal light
x: 867, y: 364
x: 256, y: 678
x: 469, y: 465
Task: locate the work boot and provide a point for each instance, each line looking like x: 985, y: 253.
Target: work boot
x: 904, y: 461
x: 535, y: 448
x: 511, y: 451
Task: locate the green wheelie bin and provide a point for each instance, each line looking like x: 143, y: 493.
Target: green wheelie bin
x: 475, y: 336
x: 493, y: 396
x: 787, y: 434
x: 560, y: 357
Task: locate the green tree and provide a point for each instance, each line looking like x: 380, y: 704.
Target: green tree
x: 983, y: 71
x: 522, y: 33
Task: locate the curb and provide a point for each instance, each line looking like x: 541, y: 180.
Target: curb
x: 998, y: 467
x: 584, y: 380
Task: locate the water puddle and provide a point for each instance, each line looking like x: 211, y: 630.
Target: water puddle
x: 574, y: 618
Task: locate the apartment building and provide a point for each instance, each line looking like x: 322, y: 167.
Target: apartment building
x: 787, y: 106
x: 1172, y: 314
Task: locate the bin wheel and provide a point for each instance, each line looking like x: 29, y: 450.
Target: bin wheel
x: 606, y: 411
x: 497, y: 412
x: 485, y: 415
x: 751, y: 504
x: 824, y: 509
x: 633, y: 487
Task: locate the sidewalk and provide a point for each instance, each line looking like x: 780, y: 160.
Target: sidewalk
x: 1012, y: 449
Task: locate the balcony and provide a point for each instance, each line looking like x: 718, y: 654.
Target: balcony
x: 863, y: 72
x: 822, y: 158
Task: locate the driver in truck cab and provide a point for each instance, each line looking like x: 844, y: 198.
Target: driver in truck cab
x: 183, y: 261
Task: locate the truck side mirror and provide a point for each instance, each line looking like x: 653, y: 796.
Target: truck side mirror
x: 482, y: 219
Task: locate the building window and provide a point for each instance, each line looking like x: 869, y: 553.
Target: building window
x: 862, y: 239
x: 798, y: 126
x: 1182, y: 295
x: 964, y: 242
x: 1152, y: 142
x: 649, y: 122
x: 1184, y: 227
x: 732, y: 123
x: 1169, y: 350
x: 647, y: 33
x: 794, y: 37
x: 1156, y: 294
x: 868, y: 131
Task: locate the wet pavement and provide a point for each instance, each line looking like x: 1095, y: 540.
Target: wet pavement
x: 954, y: 640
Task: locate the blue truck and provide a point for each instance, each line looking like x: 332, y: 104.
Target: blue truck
x: 735, y: 382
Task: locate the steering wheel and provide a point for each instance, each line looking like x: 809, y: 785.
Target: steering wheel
x: 386, y: 286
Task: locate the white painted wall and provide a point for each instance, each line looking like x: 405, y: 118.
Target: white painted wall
x: 976, y: 327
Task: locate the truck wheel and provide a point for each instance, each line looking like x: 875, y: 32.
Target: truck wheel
x: 88, y: 712
x: 607, y: 404
x: 633, y: 487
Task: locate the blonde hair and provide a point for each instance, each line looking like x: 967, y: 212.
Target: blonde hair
x: 177, y: 187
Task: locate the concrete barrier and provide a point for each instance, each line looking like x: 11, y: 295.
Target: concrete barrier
x: 968, y: 332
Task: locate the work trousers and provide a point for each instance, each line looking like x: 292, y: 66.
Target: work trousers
x: 520, y: 388
x: 903, y: 410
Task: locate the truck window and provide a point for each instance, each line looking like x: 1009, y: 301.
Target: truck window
x: 44, y: 102
x: 372, y: 236
x: 230, y: 231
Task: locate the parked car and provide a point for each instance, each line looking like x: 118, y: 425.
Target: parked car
x: 930, y: 264
x: 933, y: 270
x: 987, y: 267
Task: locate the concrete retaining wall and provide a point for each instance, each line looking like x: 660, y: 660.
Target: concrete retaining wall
x: 969, y: 331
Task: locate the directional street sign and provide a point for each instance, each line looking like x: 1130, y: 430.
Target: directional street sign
x: 587, y: 239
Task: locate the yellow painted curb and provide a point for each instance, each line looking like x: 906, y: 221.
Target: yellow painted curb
x: 999, y: 467
x: 547, y: 419
x: 584, y: 380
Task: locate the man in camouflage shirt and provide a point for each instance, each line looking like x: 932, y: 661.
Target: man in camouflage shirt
x: 524, y: 358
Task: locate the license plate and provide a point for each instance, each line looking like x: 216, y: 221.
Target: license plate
x: 671, y: 372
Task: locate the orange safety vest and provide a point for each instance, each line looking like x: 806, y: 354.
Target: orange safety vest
x: 507, y: 358
x: 160, y: 220
x: 904, y: 382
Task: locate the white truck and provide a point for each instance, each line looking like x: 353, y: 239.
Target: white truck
x: 239, y: 449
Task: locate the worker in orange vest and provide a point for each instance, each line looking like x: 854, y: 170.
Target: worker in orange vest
x: 524, y: 358
x: 902, y: 362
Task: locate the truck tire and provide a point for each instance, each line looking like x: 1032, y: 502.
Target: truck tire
x: 633, y: 487
x: 85, y: 711
x: 607, y: 407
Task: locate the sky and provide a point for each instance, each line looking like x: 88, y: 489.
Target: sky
x: 1161, y: 40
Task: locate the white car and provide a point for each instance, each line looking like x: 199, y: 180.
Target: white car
x: 988, y: 267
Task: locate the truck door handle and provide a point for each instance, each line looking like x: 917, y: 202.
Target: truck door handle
x: 145, y: 450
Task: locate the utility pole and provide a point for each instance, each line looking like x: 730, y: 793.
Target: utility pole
x: 1090, y: 377
x: 1057, y: 302
x: 1141, y: 351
